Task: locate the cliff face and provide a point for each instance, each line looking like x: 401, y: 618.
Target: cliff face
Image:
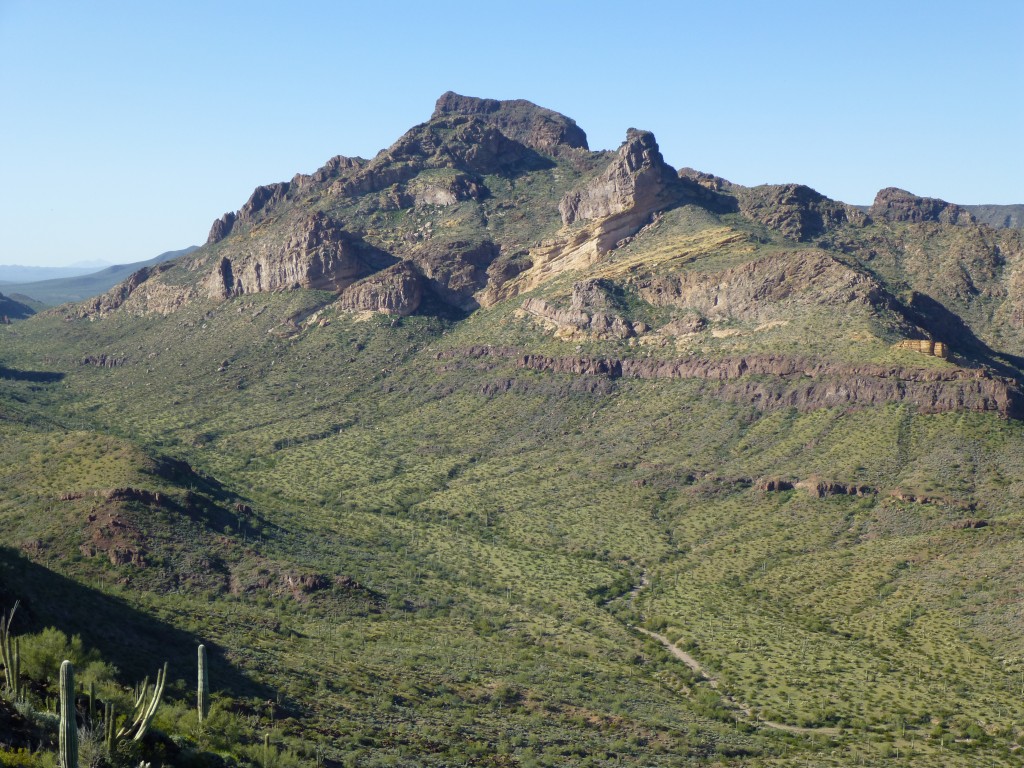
x: 317, y: 253
x: 772, y: 381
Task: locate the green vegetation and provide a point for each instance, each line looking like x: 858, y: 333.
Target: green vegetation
x: 392, y: 551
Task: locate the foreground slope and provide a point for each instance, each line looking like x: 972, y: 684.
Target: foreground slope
x: 462, y: 417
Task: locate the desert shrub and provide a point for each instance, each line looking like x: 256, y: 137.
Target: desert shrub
x: 43, y: 652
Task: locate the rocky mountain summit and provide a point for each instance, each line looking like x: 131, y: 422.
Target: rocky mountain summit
x: 492, y: 202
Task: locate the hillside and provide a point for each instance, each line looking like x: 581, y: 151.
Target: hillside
x: 496, y: 450
x: 17, y: 307
x: 78, y: 287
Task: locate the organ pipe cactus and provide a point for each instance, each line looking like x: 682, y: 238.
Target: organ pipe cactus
x: 145, y: 708
x: 203, y: 687
x: 68, y: 738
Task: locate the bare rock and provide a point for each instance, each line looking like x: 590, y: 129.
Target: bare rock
x: 796, y: 211
x: 773, y: 484
x: 685, y: 325
x: 221, y: 227
x: 541, y: 129
x: 820, y: 489
x: 571, y: 322
x: 769, y: 382
x: 892, y: 204
x: 924, y: 347
x: 456, y: 269
x: 397, y: 290
x: 594, y: 294
x: 315, y: 253
x: 766, y: 288
x: 638, y: 179
x: 969, y: 523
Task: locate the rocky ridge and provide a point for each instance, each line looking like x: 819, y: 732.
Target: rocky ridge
x: 775, y: 381
x: 490, y: 200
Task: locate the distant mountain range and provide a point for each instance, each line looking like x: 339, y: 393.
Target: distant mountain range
x: 19, y: 273
x: 57, y: 285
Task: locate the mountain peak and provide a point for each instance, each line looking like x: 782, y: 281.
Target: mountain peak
x: 894, y: 204
x: 542, y: 129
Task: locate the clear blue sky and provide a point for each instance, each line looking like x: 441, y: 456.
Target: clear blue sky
x: 127, y: 127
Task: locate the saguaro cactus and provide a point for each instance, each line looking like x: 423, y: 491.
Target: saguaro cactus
x: 68, y: 741
x: 9, y: 653
x: 109, y: 717
x: 202, y: 687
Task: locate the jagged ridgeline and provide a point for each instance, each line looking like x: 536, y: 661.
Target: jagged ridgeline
x: 418, y: 443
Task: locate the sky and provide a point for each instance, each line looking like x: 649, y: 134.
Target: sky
x: 126, y: 128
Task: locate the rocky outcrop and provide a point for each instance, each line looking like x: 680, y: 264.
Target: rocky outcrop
x: 814, y: 486
x: 769, y: 382
x: 638, y: 180
x: 569, y: 323
x: 683, y: 326
x: 820, y: 489
x: 774, y: 484
x: 442, y: 191
x: 456, y: 269
x: 164, y: 298
x: 892, y: 204
x: 794, y: 210
x: 221, y: 228
x: 766, y: 288
x: 541, y: 129
x: 924, y: 347
x: 968, y: 524
x: 336, y: 166
x: 397, y: 290
x: 463, y: 143
x: 314, y: 253
x: 260, y: 203
x: 104, y: 360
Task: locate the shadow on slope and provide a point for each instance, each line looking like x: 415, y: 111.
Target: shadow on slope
x: 945, y: 324
x: 134, y: 642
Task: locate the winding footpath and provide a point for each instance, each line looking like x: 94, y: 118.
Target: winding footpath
x: 694, y: 665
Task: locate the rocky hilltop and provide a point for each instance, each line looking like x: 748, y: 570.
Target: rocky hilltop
x: 492, y: 200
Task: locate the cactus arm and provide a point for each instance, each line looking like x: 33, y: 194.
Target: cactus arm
x: 158, y: 691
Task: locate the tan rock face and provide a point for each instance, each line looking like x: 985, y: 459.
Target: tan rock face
x: 924, y: 347
x: 317, y: 254
x: 638, y: 179
x: 397, y: 290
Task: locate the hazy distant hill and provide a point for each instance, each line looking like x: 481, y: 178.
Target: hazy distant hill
x: 78, y: 286
x: 1008, y: 216
x: 16, y: 307
x: 18, y: 273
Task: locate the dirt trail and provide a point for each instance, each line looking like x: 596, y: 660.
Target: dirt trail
x: 694, y: 665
